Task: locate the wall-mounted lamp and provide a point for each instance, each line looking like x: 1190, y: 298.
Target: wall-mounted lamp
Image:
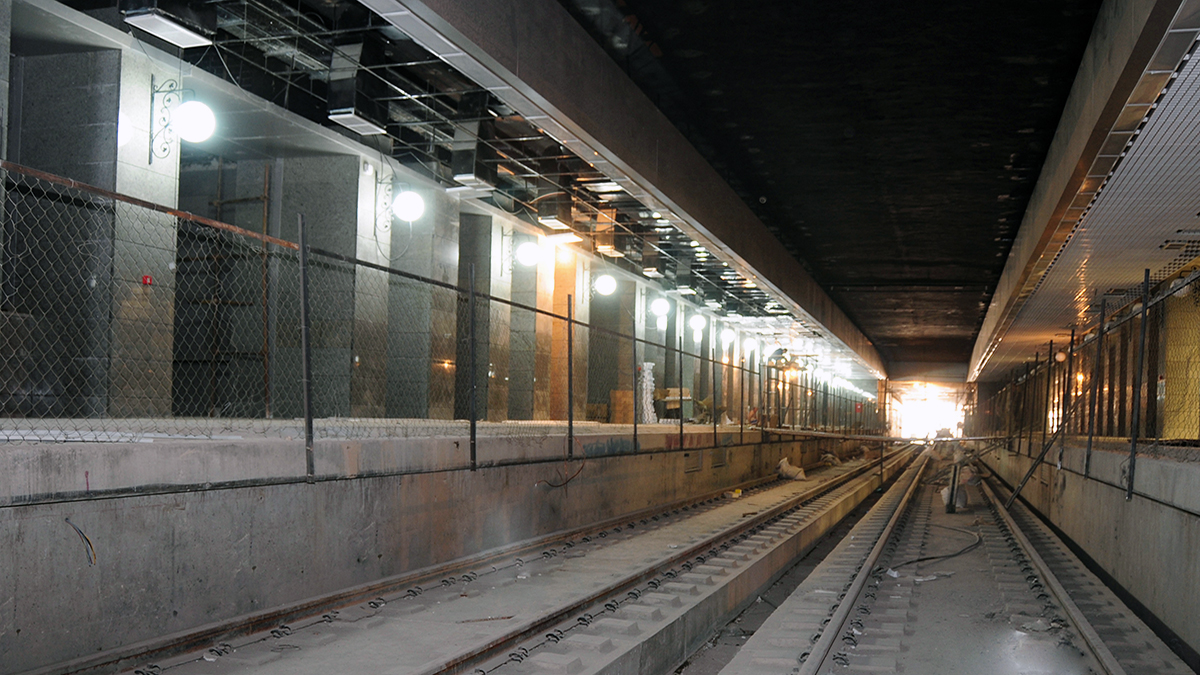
x: 660, y: 307
x: 697, y: 322
x: 529, y: 254
x: 171, y: 117
x: 727, y: 337
x: 605, y: 284
x: 408, y: 206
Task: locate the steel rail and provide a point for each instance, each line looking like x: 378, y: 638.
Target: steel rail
x: 837, y: 622
x: 175, y: 644
x: 1085, y: 628
x: 621, y: 586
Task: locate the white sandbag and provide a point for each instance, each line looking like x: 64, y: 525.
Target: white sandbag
x: 789, y: 472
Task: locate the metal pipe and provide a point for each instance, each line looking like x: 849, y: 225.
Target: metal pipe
x: 306, y: 351
x: 473, y: 365
x: 1138, y: 379
x: 1087, y: 455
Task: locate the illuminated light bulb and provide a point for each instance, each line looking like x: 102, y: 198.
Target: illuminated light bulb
x: 660, y: 307
x: 661, y: 323
x: 529, y: 254
x: 1060, y: 356
x: 194, y: 122
x: 750, y: 345
x: 697, y: 322
x: 408, y: 206
x: 606, y: 284
x: 728, y: 336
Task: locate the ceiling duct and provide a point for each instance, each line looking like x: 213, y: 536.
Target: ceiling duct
x: 472, y: 159
x: 554, y: 211
x: 354, y: 92
x: 174, y: 21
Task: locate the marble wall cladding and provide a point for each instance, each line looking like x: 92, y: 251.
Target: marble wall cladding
x: 610, y: 357
x: 109, y: 265
x: 571, y: 284
x: 544, y: 327
x: 522, y: 336
x: 221, y: 360
x: 368, y: 381
x: 325, y: 190
x: 475, y: 238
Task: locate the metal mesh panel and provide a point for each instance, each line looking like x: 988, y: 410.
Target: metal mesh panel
x: 1110, y: 384
x: 122, y: 320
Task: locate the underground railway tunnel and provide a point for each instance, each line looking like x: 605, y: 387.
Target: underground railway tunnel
x: 599, y: 336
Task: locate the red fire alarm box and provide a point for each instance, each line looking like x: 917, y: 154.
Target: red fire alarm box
x: 147, y: 280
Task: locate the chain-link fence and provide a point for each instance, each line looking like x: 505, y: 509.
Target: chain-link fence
x: 1132, y: 380
x: 121, y: 320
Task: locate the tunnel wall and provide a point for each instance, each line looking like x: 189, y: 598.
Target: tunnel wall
x: 192, y: 534
x: 1150, y: 545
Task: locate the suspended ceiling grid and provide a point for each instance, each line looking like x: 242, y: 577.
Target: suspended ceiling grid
x: 1134, y: 224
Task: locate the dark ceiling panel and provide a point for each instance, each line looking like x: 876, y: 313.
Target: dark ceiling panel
x: 886, y: 144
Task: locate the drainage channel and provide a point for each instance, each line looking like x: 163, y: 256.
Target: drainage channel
x: 914, y: 588
x: 1123, y: 642
x: 459, y: 623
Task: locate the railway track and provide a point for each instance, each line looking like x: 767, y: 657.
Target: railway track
x: 651, y: 589
x: 914, y: 589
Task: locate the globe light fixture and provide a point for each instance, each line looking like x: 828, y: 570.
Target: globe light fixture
x: 660, y: 307
x: 605, y: 284
x: 193, y: 122
x: 661, y: 323
x: 750, y: 345
x: 697, y: 322
x: 728, y: 336
x: 408, y: 206
x: 529, y: 254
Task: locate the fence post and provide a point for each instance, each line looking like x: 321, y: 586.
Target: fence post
x: 1068, y: 383
x: 679, y: 381
x: 1138, y: 379
x: 742, y: 405
x: 473, y: 365
x: 570, y: 377
x: 637, y: 390
x: 1031, y: 396
x: 306, y: 351
x: 1049, y: 386
x: 712, y: 387
x: 1087, y: 455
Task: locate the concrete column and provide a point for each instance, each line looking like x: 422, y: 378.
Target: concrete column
x: 1180, y: 405
x: 99, y: 287
x: 474, y: 250
x: 610, y: 359
x: 523, y: 336
x: 422, y: 319
x: 571, y: 278
x: 326, y: 191
x: 368, y: 379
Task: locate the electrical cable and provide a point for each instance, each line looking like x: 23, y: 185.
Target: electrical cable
x: 562, y: 474
x: 969, y: 547
x: 88, y: 548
